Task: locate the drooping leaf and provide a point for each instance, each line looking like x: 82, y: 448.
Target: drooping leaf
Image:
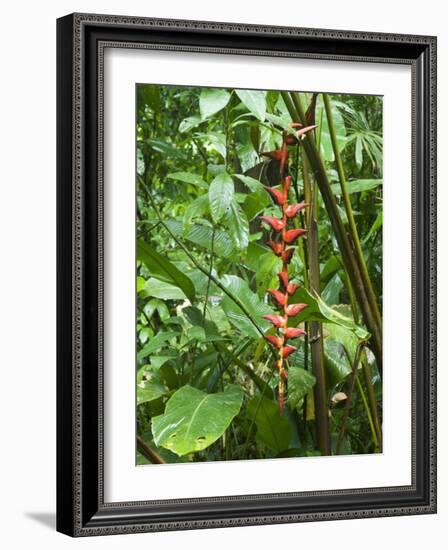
x: 255, y: 307
x: 220, y: 195
x: 193, y: 419
x: 212, y: 100
x: 300, y: 383
x: 187, y: 177
x: 273, y: 430
x: 255, y: 101
x: 163, y: 290
x: 202, y: 235
x: 238, y: 225
x: 339, y: 124
x: 156, y: 343
x: 160, y: 267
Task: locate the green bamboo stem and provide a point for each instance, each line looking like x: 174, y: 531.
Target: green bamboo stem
x: 373, y: 405
x: 315, y: 336
x: 369, y: 414
x: 351, y: 219
x: 294, y: 105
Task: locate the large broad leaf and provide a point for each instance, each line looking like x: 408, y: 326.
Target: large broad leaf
x: 199, y: 207
x: 150, y: 385
x: 193, y: 419
x: 273, y: 430
x: 357, y: 186
x: 252, y: 303
x: 202, y: 235
x: 186, y: 177
x: 238, y: 225
x: 156, y: 343
x: 212, y: 100
x: 163, y: 269
x: 220, y: 195
x: 255, y: 101
x: 300, y: 383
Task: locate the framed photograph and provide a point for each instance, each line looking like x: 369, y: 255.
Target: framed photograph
x: 246, y: 274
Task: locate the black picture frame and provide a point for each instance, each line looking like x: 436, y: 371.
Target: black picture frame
x: 81, y: 510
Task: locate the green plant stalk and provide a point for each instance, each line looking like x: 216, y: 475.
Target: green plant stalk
x: 348, y: 401
x: 368, y: 413
x: 298, y: 114
x: 316, y: 336
x: 206, y: 272
x: 351, y: 219
x: 148, y: 453
x: 372, y: 402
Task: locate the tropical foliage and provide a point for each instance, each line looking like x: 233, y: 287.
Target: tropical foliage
x: 259, y: 274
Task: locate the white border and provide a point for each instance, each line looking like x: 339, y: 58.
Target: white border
x: 123, y: 481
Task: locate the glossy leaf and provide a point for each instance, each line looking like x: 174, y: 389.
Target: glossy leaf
x: 193, y: 419
x: 150, y: 385
x: 300, y: 383
x: 220, y: 195
x: 273, y: 430
x: 255, y: 101
x: 212, y: 100
x: 187, y: 177
x: 238, y: 225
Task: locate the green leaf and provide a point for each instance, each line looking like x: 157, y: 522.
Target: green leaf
x: 325, y: 138
x: 156, y: 343
x: 255, y: 101
x: 375, y: 226
x: 160, y: 289
x: 189, y: 123
x: 256, y: 308
x: 337, y: 366
x: 212, y: 100
x: 220, y: 195
x: 189, y: 178
x: 357, y: 186
x: 202, y: 236
x: 273, y: 430
x: 165, y: 148
x: 197, y: 208
x: 150, y: 385
x: 300, y: 383
x: 193, y: 419
x: 269, y: 266
x: 358, y: 152
x: 238, y: 226
x: 163, y: 269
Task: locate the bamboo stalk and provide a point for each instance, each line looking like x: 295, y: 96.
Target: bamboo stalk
x: 351, y: 219
x: 294, y: 105
x: 316, y: 336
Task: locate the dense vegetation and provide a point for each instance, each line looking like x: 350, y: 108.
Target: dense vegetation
x: 210, y: 303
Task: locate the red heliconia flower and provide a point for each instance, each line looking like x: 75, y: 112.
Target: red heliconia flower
x: 283, y: 276
x: 292, y: 332
x: 279, y: 196
x: 278, y: 296
x: 294, y: 309
x: 292, y: 235
x: 291, y: 288
x: 276, y: 247
x: 276, y: 320
x: 287, y: 184
x: 274, y: 155
x: 276, y: 341
x: 287, y: 350
x: 310, y: 114
x: 287, y: 255
x: 292, y: 209
x: 283, y: 373
x: 303, y: 131
x: 276, y: 223
x: 290, y: 139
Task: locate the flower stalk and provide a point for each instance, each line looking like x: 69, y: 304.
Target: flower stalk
x: 282, y: 245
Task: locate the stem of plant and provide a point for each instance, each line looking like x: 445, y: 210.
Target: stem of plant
x: 148, y: 453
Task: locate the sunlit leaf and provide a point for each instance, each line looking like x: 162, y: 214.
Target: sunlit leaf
x: 220, y: 195
x: 212, y: 100
x: 255, y: 101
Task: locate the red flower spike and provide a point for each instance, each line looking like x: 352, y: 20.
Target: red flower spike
x: 287, y: 255
x: 293, y: 209
x: 283, y: 276
x: 303, y: 131
x: 292, y: 235
x: 276, y: 341
x: 283, y: 373
x: 294, y: 309
x: 274, y: 155
x: 287, y: 185
x: 287, y: 350
x: 278, y: 296
x: 276, y: 247
x: 292, y: 332
x: 276, y: 223
x: 291, y: 288
x: 290, y: 140
x: 279, y: 196
x: 277, y: 320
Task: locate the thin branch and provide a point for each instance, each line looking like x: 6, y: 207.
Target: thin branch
x: 148, y: 453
